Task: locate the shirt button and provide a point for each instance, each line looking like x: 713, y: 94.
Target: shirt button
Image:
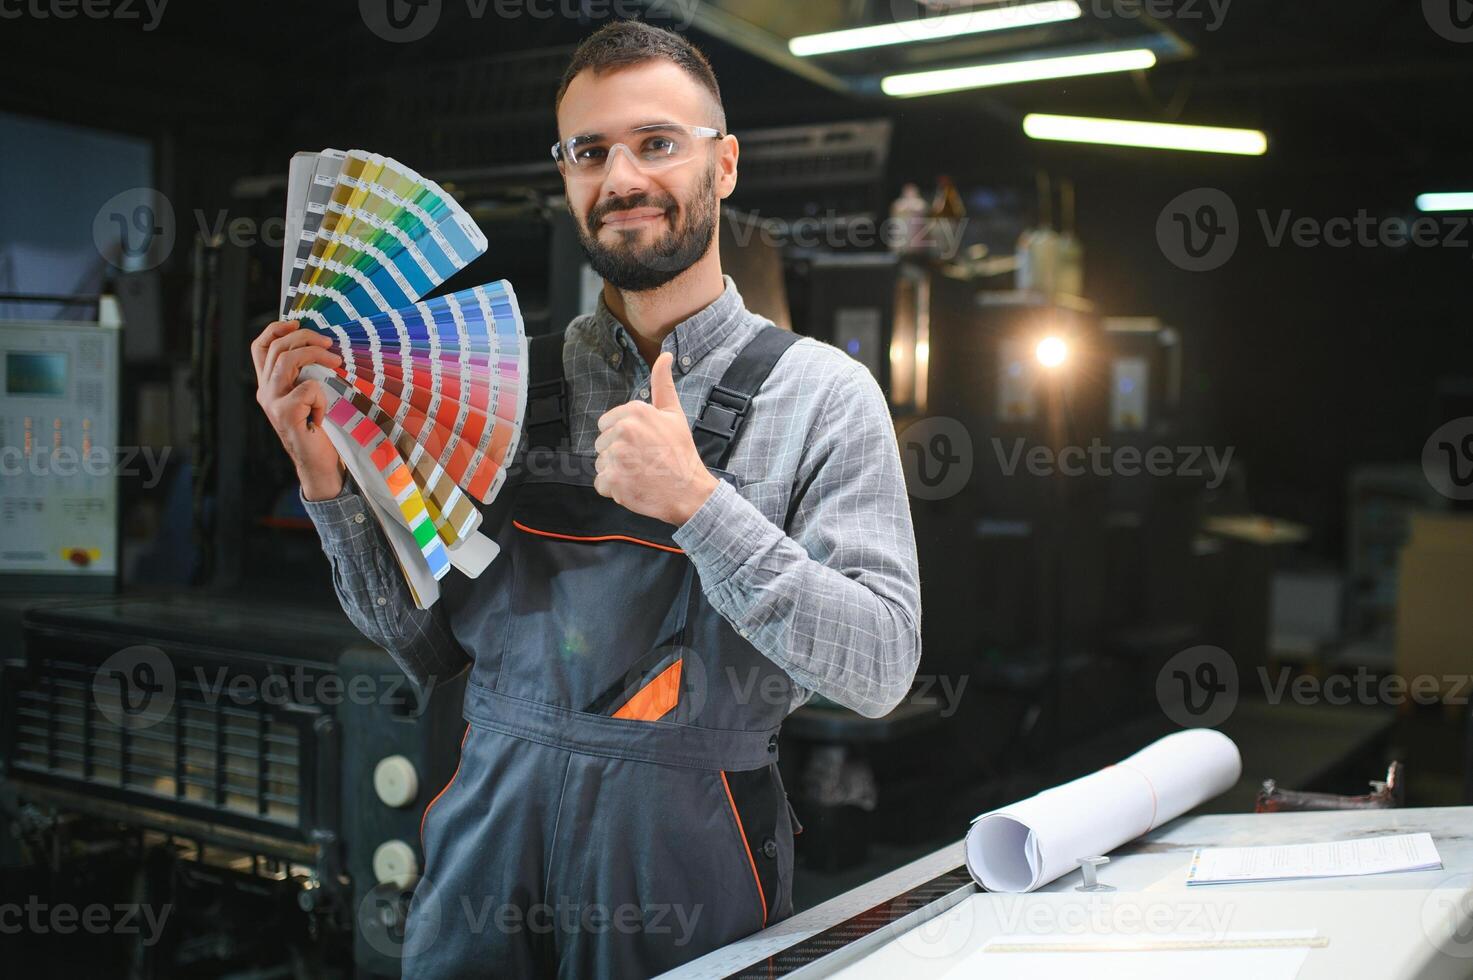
x: 358, y: 517
x: 615, y: 359
x: 769, y: 848
x: 644, y: 392
x: 382, y: 601
x: 685, y: 361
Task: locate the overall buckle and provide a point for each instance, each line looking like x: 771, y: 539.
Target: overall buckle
x: 546, y: 403
x: 724, y: 412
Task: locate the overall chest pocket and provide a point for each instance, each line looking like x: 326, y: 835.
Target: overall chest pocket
x: 599, y: 599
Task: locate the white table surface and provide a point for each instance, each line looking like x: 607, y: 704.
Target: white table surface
x: 1413, y: 924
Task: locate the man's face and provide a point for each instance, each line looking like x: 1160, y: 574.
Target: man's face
x: 642, y: 228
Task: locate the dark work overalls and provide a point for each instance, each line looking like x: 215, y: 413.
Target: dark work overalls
x: 617, y: 810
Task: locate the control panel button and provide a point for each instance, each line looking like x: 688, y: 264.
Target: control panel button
x: 394, y: 862
x: 396, y: 781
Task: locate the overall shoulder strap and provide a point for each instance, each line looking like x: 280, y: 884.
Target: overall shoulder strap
x: 546, y: 421
x: 725, y: 411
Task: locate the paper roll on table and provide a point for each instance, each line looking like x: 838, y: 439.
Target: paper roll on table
x: 1028, y: 844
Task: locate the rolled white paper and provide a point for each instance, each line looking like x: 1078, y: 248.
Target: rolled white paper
x: 1028, y: 844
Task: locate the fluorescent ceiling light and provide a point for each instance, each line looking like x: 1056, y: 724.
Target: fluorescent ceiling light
x: 1445, y: 202
x: 935, y: 28
x: 1160, y: 136
x: 1012, y: 72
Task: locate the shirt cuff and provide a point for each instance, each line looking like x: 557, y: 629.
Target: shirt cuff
x: 724, y: 533
x: 343, y: 522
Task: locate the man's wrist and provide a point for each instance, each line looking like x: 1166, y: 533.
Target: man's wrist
x: 319, y: 488
x: 705, y: 486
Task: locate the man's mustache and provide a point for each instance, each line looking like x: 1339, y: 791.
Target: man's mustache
x: 603, y: 209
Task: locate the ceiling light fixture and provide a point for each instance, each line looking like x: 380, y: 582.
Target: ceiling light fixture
x: 1460, y: 201
x: 1157, y: 136
x: 1013, y: 72
x: 936, y: 28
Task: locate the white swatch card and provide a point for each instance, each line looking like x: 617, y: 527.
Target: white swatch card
x: 1327, y: 859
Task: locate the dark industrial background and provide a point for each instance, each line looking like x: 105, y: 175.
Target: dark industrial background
x: 1052, y: 608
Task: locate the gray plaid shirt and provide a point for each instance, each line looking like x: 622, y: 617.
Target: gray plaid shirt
x: 812, y: 557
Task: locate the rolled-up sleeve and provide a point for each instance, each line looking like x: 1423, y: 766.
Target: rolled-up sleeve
x: 835, y: 598
x: 371, y: 589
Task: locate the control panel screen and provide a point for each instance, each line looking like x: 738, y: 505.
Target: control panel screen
x: 35, y: 373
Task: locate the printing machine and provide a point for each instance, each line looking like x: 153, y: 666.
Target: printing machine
x: 275, y: 807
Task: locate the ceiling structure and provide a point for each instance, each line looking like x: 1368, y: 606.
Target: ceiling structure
x: 1360, y: 83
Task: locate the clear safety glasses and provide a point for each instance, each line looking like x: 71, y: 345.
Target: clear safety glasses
x: 656, y: 147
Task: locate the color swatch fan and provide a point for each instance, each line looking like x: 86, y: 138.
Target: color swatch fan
x: 427, y: 408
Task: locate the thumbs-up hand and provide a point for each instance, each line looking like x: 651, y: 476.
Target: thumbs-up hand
x: 647, y: 458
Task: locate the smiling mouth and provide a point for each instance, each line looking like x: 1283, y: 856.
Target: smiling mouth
x: 633, y: 218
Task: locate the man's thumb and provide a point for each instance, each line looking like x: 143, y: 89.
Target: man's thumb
x: 662, y: 384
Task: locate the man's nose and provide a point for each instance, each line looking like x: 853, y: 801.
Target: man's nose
x: 623, y: 176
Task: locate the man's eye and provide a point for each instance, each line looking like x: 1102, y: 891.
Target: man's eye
x: 589, y: 154
x: 659, y: 146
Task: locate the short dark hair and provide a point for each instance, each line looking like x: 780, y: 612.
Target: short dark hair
x: 624, y: 43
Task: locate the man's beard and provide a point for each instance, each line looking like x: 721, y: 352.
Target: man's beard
x: 635, y: 268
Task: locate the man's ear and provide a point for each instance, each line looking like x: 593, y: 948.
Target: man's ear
x: 726, y: 166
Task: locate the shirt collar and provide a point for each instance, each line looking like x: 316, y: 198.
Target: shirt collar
x: 692, y: 338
